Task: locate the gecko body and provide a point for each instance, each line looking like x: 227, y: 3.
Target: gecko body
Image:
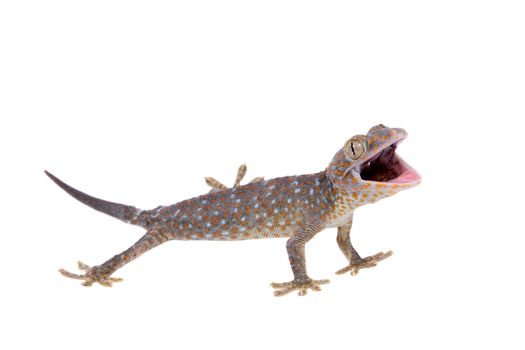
x: 364, y: 171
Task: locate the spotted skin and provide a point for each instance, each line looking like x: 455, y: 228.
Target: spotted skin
x: 296, y: 207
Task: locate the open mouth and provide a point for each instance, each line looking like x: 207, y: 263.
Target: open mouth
x: 387, y: 166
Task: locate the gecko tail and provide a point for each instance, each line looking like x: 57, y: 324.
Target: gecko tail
x: 126, y: 213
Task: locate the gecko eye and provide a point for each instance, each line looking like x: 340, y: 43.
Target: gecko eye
x: 356, y: 147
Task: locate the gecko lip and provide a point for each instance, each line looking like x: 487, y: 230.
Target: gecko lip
x: 387, y: 166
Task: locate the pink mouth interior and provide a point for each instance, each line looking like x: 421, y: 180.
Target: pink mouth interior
x: 387, y: 166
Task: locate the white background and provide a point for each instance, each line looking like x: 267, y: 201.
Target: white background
x: 136, y: 102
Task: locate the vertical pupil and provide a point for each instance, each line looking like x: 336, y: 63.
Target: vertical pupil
x: 352, y: 147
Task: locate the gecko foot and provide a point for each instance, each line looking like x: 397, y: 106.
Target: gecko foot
x: 301, y: 286
x: 364, y: 263
x: 93, y: 274
x: 241, y: 172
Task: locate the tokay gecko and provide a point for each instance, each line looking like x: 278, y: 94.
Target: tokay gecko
x: 365, y: 170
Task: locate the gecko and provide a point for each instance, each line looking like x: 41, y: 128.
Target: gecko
x: 366, y: 169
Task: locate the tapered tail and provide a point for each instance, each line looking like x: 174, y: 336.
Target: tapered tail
x: 126, y: 213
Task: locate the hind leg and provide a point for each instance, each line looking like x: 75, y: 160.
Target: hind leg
x: 102, y: 273
x: 241, y: 172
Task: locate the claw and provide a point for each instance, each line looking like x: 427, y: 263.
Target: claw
x: 257, y: 179
x: 240, y: 175
x: 71, y: 275
x: 82, y: 266
x: 214, y: 184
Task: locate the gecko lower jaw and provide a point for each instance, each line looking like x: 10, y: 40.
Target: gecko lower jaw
x: 388, y: 167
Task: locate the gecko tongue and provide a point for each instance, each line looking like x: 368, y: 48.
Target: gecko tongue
x: 408, y: 174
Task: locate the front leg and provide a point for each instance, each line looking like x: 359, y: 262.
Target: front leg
x: 296, y: 253
x: 355, y: 261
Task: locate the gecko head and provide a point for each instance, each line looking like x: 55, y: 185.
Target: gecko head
x: 370, y: 163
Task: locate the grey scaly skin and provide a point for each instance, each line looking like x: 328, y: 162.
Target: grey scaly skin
x: 365, y: 170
